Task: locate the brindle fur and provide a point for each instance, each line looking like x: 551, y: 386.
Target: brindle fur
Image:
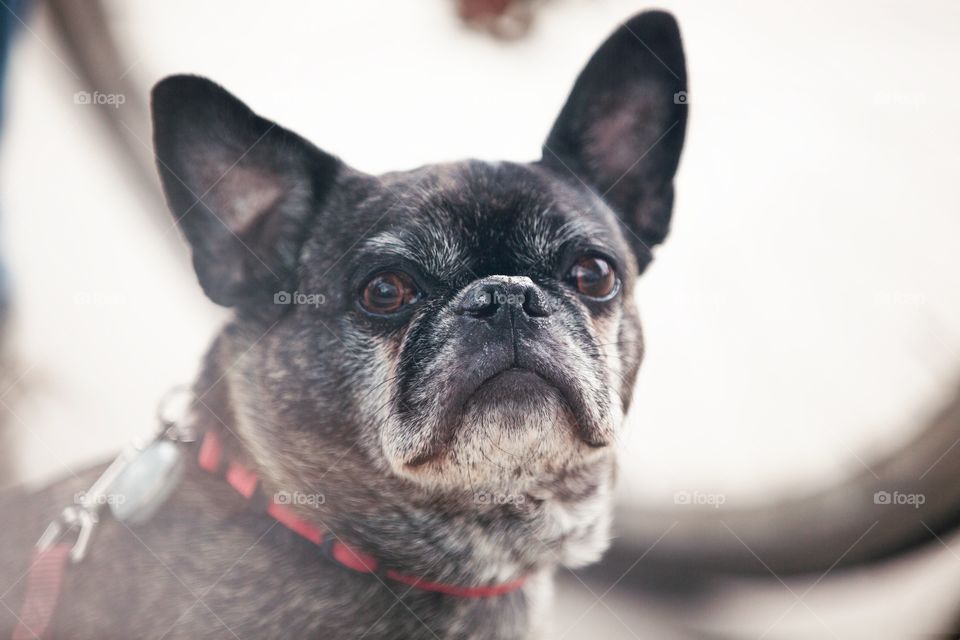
x: 419, y: 461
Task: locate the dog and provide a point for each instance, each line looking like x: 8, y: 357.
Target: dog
x: 428, y: 370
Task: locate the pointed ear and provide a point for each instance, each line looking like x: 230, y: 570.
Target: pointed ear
x: 242, y: 188
x: 622, y: 128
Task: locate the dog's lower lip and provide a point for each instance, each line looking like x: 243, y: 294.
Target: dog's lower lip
x: 518, y: 372
x: 514, y: 375
x: 504, y: 376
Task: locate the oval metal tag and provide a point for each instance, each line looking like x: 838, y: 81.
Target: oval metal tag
x: 146, y: 483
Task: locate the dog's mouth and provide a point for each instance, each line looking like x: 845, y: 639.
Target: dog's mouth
x: 512, y: 388
x: 511, y: 380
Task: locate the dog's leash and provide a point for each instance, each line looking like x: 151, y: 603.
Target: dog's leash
x: 145, y: 475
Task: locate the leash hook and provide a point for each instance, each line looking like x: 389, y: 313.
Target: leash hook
x: 72, y: 519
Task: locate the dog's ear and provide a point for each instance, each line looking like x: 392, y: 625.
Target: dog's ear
x: 621, y: 130
x: 241, y: 188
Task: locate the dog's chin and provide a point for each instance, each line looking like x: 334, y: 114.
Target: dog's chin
x: 514, y: 433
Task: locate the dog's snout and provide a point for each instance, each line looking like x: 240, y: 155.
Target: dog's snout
x: 492, y: 297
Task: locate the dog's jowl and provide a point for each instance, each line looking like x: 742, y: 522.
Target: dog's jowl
x: 410, y: 420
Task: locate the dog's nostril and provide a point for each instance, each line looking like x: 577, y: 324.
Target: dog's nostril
x: 480, y: 302
x: 535, y: 303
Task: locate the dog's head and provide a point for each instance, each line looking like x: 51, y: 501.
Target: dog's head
x: 455, y: 327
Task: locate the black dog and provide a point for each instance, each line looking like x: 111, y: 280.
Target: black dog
x: 426, y: 370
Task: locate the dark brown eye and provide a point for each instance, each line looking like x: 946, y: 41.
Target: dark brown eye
x: 388, y: 292
x: 593, y: 277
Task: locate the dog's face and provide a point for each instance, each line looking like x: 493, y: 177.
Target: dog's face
x: 484, y: 307
x: 460, y: 326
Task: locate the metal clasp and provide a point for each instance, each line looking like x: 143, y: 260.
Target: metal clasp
x: 71, y: 519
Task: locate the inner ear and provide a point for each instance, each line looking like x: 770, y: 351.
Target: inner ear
x: 242, y: 189
x: 621, y: 130
x: 244, y: 194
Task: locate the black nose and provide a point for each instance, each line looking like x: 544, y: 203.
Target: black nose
x: 492, y: 297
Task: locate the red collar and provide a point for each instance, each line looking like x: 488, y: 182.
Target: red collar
x: 247, y: 483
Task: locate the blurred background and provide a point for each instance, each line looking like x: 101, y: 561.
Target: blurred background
x: 802, y: 321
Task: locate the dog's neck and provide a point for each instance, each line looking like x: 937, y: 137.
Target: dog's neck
x: 417, y: 532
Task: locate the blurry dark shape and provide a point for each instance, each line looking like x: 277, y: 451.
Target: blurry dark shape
x: 85, y: 33
x: 12, y: 17
x: 506, y: 19
x: 12, y: 14
x: 11, y: 20
x: 903, y: 501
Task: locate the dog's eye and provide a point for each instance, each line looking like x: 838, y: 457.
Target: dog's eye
x: 593, y: 277
x: 388, y: 292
